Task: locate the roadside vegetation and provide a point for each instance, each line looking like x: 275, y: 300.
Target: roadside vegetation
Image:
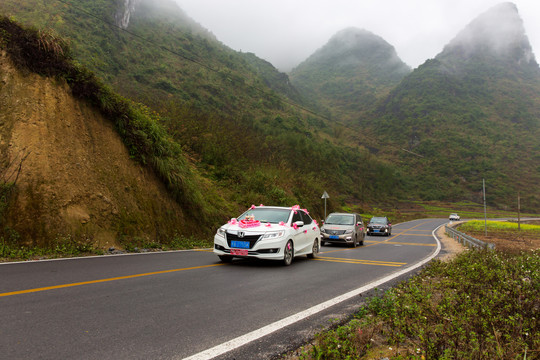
x: 64, y: 247
x: 480, y: 305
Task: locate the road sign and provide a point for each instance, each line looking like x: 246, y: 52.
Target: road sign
x: 325, y: 196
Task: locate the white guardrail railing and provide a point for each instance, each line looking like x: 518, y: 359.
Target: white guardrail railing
x: 466, y: 239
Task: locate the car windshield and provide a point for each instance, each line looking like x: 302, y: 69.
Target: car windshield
x: 339, y: 219
x: 378, y: 220
x: 267, y: 215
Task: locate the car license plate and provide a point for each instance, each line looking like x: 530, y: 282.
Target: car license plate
x: 375, y: 230
x: 334, y: 237
x: 239, y: 252
x: 240, y: 244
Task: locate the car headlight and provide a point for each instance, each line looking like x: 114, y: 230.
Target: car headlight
x: 348, y: 231
x: 323, y: 230
x: 221, y: 232
x: 274, y: 234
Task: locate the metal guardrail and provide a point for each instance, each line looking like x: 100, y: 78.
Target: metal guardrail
x: 467, y: 240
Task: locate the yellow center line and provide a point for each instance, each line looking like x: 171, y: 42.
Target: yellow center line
x: 103, y: 280
x: 408, y: 233
x: 358, y: 261
x: 387, y: 241
x: 371, y: 261
x: 402, y: 243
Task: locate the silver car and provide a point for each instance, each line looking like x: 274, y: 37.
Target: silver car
x: 343, y: 228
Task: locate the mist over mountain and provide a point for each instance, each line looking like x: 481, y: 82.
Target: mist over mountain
x: 352, y: 120
x: 472, y: 112
x: 157, y: 10
x: 350, y: 72
x: 498, y: 33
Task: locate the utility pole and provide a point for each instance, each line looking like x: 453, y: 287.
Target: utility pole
x: 519, y: 211
x: 485, y: 210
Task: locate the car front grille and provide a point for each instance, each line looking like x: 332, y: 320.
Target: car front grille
x: 251, y: 238
x: 335, y: 232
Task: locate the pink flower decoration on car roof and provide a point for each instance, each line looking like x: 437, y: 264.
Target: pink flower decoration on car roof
x: 233, y: 221
x: 268, y: 225
x: 252, y: 207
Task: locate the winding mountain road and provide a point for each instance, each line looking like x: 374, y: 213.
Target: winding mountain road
x: 186, y: 304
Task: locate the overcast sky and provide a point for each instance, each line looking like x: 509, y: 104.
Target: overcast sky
x: 286, y: 32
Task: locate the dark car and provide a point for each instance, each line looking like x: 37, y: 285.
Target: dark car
x: 343, y: 228
x: 379, y: 225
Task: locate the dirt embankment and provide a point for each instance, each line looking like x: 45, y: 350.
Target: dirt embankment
x: 77, y: 178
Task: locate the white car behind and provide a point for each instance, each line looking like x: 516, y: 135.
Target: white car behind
x: 269, y: 232
x: 454, y: 217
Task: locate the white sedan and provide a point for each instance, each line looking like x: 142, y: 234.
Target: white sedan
x: 454, y: 217
x: 269, y: 232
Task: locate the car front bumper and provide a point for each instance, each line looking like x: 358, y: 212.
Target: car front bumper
x: 338, y: 239
x: 382, y: 231
x: 262, y: 249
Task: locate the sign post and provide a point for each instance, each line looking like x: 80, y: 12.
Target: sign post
x: 325, y: 196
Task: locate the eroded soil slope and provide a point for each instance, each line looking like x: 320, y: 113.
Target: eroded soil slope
x: 77, y: 178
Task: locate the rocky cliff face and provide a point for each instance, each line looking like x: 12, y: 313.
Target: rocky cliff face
x: 77, y: 179
x: 125, y: 10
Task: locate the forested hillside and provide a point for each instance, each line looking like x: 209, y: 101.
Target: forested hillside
x: 349, y: 74
x: 470, y: 113
x: 223, y: 130
x: 234, y: 118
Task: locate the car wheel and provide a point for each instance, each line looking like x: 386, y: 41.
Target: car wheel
x: 314, y: 250
x: 362, y: 242
x: 288, y: 253
x: 225, y: 258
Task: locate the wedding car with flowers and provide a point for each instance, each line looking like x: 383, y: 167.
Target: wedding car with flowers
x: 269, y: 232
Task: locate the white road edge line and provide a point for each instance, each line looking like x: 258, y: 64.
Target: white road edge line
x: 268, y: 329
x: 97, y: 256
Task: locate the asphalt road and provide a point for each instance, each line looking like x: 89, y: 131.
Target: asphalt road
x: 186, y: 304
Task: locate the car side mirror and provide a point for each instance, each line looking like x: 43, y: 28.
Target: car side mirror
x: 299, y: 223
x: 358, y: 224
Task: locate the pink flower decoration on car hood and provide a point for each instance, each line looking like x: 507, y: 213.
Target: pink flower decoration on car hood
x: 249, y: 223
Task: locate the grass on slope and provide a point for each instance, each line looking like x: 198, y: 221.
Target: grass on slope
x: 481, y: 305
